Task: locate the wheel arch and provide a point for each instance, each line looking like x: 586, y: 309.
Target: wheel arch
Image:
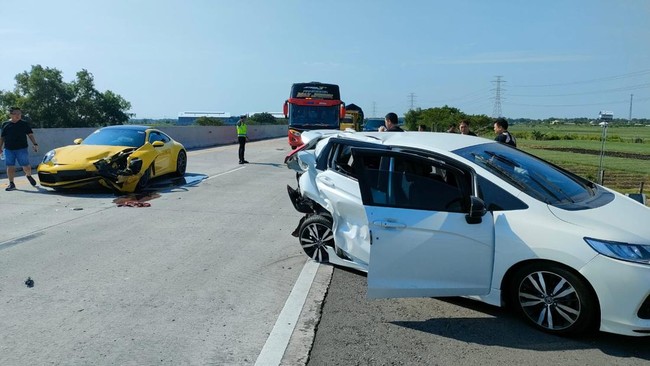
x: 509, y: 275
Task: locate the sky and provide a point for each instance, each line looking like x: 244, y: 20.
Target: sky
x: 533, y: 59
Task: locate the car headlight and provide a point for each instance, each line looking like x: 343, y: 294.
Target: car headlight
x: 624, y: 251
x: 49, y: 157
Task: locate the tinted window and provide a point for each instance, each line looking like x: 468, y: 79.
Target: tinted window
x: 158, y: 136
x: 116, y: 137
x: 373, y: 124
x: 414, y: 183
x: 326, y: 117
x: 496, y: 198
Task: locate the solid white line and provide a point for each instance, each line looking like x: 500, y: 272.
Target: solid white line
x: 228, y: 172
x: 278, y: 340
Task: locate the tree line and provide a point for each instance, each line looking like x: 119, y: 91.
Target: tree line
x: 49, y: 102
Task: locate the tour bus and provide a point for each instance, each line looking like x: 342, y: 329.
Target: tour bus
x: 312, y: 106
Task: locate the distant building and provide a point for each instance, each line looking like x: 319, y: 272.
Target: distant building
x: 188, y: 118
x: 605, y: 115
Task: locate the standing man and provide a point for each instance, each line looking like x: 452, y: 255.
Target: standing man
x: 14, y: 140
x: 391, y: 122
x: 242, y: 131
x: 463, y: 126
x: 503, y: 136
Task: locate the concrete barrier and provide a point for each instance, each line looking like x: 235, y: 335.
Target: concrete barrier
x: 192, y: 137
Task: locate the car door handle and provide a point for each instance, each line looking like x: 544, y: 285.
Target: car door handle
x: 389, y: 224
x: 327, y: 181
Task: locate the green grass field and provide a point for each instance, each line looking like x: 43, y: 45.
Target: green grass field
x: 626, y: 159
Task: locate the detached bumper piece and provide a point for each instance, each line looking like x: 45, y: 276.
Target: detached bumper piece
x: 299, y: 203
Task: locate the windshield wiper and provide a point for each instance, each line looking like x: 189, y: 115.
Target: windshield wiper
x: 499, y: 169
x: 545, y: 184
x: 551, y: 184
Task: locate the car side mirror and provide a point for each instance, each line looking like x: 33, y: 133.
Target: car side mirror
x: 476, y: 210
x: 158, y: 144
x: 78, y: 141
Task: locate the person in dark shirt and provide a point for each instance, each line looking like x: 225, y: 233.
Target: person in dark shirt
x: 14, y: 136
x: 391, y: 122
x: 463, y: 126
x: 503, y: 136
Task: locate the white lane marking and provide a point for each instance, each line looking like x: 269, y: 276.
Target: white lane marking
x: 224, y: 173
x: 278, y: 340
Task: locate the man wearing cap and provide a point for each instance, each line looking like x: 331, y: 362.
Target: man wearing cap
x: 14, y: 136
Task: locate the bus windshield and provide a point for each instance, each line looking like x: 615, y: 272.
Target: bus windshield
x: 314, y: 117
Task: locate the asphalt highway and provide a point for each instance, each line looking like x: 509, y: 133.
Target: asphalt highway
x: 207, y: 273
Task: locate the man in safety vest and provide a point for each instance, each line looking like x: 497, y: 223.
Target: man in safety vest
x: 242, y: 130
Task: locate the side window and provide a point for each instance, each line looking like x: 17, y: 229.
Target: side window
x: 415, y: 183
x: 496, y: 198
x: 341, y: 160
x: 156, y: 136
x: 153, y: 136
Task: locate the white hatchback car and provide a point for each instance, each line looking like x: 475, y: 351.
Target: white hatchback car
x: 455, y: 215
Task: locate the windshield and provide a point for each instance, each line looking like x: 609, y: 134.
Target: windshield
x: 116, y: 137
x: 321, y: 117
x: 373, y: 124
x: 533, y: 176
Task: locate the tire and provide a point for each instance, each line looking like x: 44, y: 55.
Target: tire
x: 181, y: 163
x: 144, y: 180
x: 315, y: 234
x: 553, y: 299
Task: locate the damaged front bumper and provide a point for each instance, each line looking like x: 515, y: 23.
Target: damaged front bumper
x: 120, y: 172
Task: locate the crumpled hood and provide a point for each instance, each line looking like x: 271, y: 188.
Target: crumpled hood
x: 623, y: 219
x: 84, y: 154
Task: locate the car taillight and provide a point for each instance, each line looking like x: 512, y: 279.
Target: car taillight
x: 294, y: 152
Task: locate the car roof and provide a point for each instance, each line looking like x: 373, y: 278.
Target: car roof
x: 433, y: 141
x: 127, y: 127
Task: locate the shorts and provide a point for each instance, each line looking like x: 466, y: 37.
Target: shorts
x: 20, y: 155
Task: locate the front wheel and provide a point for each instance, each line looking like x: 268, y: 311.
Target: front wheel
x: 181, y: 163
x: 144, y: 180
x: 554, y: 299
x: 315, y: 235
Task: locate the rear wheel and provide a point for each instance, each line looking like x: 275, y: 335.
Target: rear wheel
x: 315, y: 235
x: 554, y: 299
x: 181, y: 163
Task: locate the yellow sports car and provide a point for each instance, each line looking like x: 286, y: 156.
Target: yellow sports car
x: 122, y: 158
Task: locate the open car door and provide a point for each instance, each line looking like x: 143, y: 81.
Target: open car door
x: 423, y: 241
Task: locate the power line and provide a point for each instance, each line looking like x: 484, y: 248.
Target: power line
x: 627, y: 88
x: 632, y: 74
x: 578, y: 105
